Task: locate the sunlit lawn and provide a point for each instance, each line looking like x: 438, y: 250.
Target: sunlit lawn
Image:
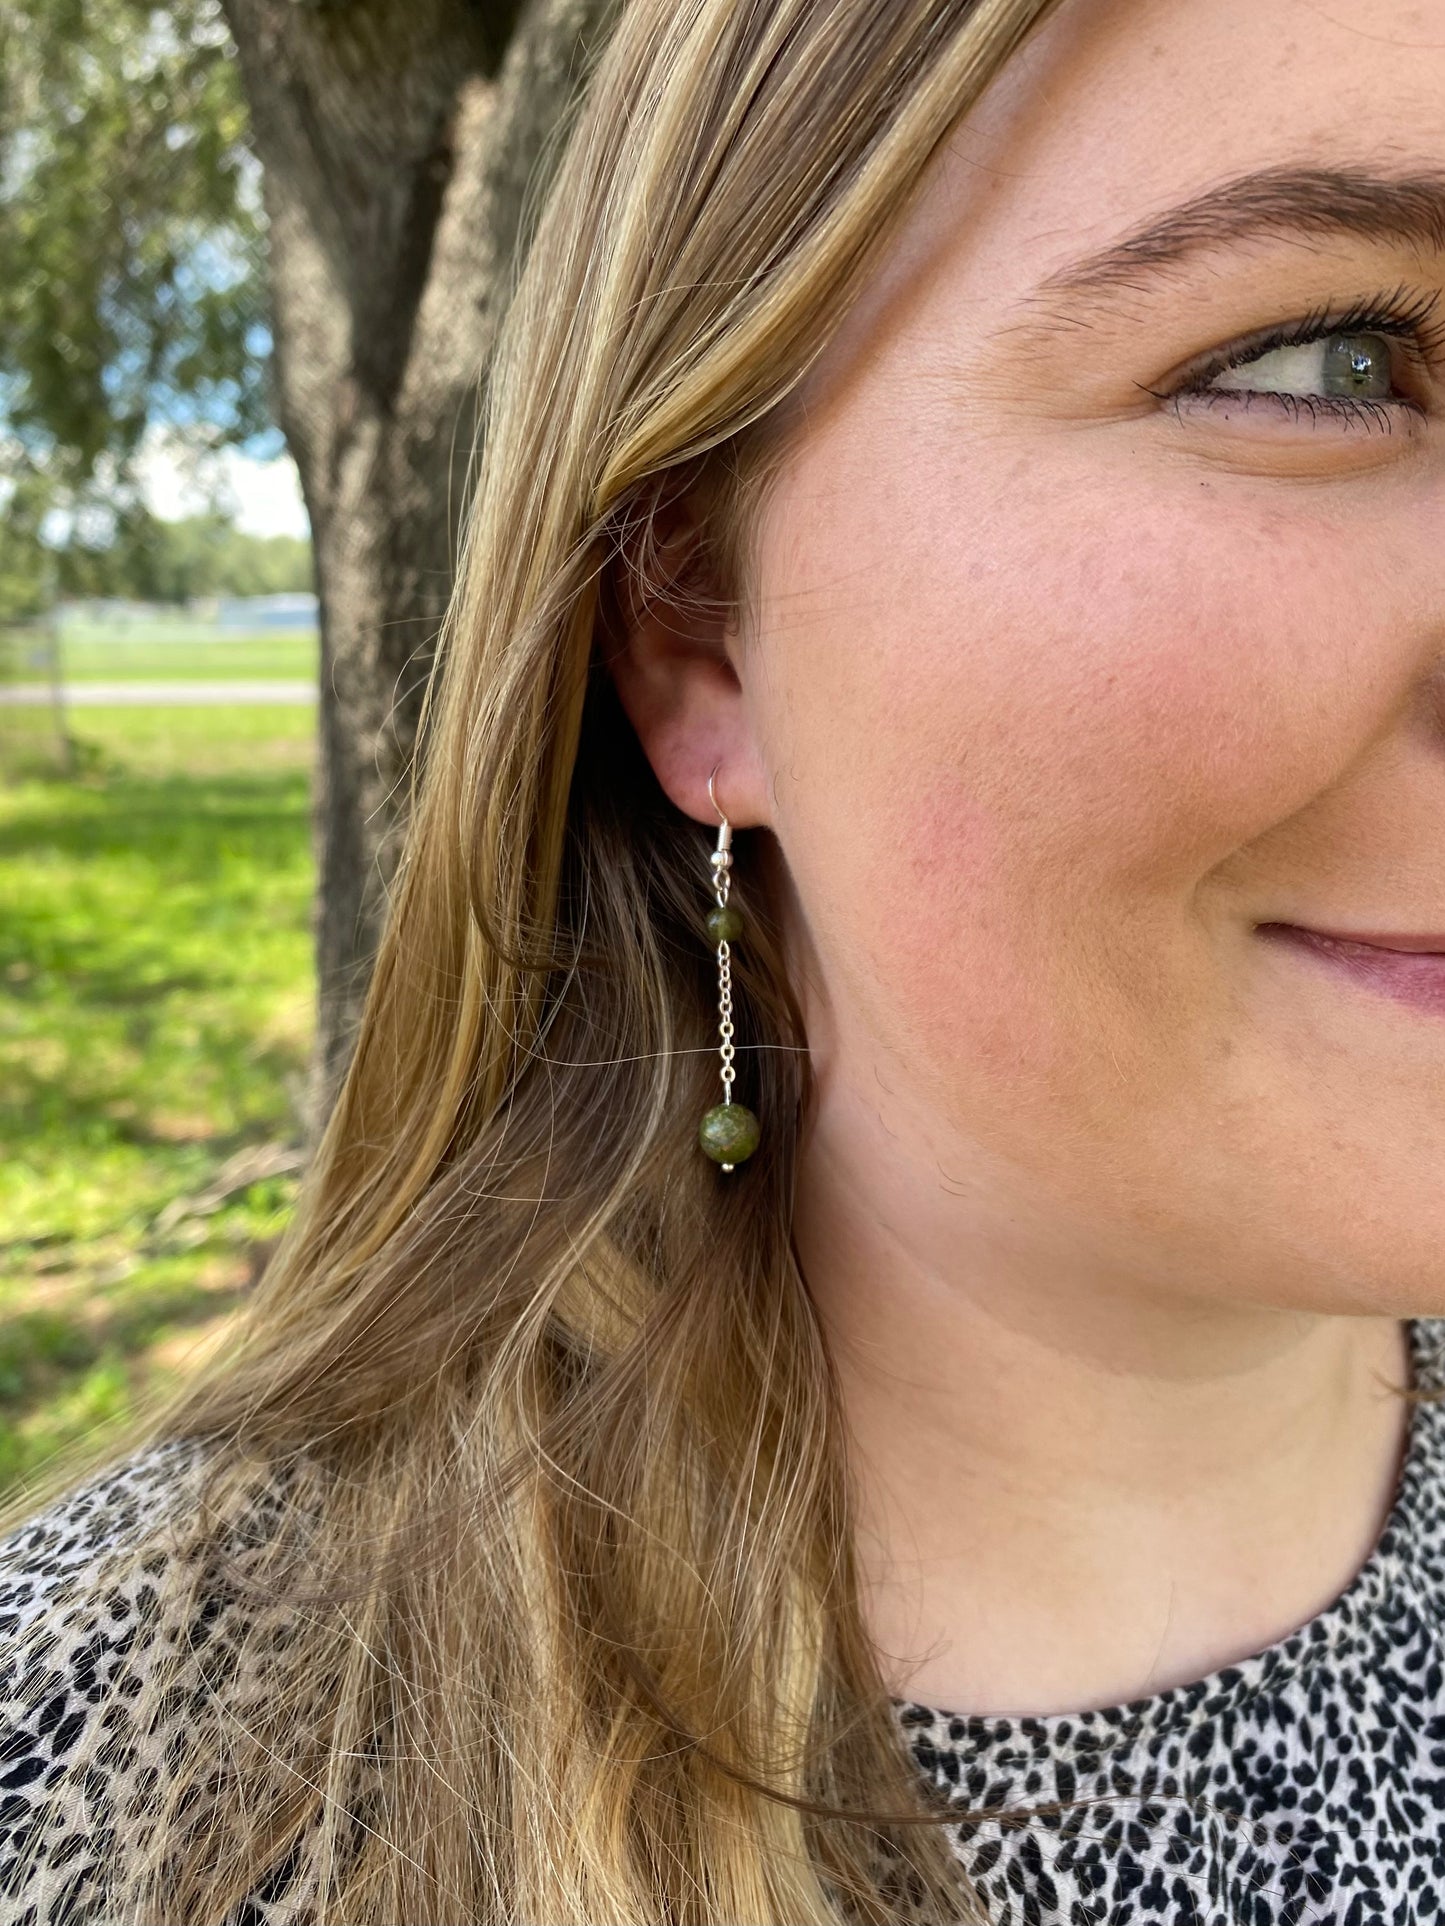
x: 91, y: 656
x: 155, y: 1013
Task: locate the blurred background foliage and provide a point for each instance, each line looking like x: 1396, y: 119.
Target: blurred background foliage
x: 228, y: 228
x: 148, y: 558
x: 132, y: 297
x: 156, y: 981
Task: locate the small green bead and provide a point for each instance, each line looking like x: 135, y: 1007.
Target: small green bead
x: 725, y: 925
x: 729, y: 1132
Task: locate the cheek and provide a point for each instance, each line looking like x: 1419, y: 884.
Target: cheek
x: 1134, y: 695
x: 1040, y: 726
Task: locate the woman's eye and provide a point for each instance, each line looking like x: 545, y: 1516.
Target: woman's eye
x: 1346, y: 374
x: 1335, y: 364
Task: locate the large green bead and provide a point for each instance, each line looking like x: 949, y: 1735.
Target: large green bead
x: 725, y: 924
x: 729, y: 1132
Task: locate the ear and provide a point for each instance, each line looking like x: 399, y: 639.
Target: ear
x: 673, y: 650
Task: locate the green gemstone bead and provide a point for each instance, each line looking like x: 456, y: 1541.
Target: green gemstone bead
x: 725, y: 925
x: 729, y: 1132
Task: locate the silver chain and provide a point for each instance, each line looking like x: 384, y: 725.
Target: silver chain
x: 725, y: 984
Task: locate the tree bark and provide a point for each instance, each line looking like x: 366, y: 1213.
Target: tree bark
x: 397, y: 140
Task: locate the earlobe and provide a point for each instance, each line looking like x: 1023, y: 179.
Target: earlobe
x: 668, y: 653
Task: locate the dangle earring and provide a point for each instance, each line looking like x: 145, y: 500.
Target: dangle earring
x: 729, y: 1131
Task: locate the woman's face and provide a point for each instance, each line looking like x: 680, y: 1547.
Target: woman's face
x: 1062, y: 681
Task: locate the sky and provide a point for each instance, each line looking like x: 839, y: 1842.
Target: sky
x: 265, y: 495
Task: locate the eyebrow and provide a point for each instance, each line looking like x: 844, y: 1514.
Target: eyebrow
x: 1324, y: 202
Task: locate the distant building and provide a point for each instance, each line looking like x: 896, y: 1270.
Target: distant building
x: 252, y: 612
x: 205, y: 616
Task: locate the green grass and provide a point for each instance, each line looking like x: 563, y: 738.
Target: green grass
x: 94, y: 657
x: 155, y: 1016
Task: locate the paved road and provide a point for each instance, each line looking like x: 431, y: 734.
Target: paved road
x: 161, y: 695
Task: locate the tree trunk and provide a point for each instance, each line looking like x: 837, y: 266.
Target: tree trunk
x: 397, y: 139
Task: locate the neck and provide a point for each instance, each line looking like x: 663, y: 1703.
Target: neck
x: 1076, y: 1492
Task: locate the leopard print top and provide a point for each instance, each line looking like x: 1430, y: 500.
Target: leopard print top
x: 1305, y: 1784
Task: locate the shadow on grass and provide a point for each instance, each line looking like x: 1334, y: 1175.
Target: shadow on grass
x: 34, y: 1100
x: 181, y: 818
x: 150, y: 925
x: 42, y: 1348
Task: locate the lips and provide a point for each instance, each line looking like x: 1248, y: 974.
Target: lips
x: 1407, y: 968
x: 1370, y: 939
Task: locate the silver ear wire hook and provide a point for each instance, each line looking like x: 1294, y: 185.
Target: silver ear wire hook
x: 725, y: 834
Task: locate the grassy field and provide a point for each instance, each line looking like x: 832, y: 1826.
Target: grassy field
x: 90, y: 656
x: 155, y: 1016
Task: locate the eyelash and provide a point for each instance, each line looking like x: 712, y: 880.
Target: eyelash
x: 1394, y: 313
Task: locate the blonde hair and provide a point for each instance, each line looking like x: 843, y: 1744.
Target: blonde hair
x: 563, y: 1625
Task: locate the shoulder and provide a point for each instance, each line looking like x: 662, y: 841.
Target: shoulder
x: 1427, y: 1349
x: 52, y: 1563
x: 84, y: 1585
